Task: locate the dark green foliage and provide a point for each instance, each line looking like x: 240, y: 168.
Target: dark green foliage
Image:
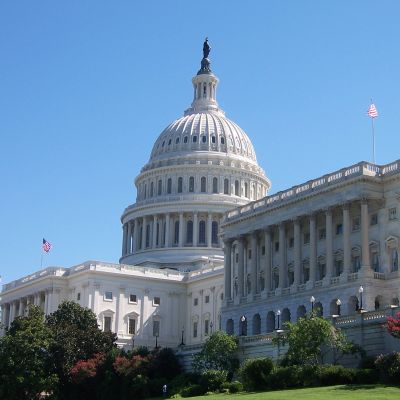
x: 212, y: 380
x: 335, y: 375
x: 76, y: 336
x: 164, y: 364
x: 182, y: 381
x: 25, y: 362
x: 193, y: 390
x: 285, y: 378
x: 388, y: 366
x: 233, y: 387
x: 366, y: 376
x: 219, y: 352
x: 254, y: 373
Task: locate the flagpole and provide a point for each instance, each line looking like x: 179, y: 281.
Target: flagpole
x: 41, y: 260
x: 373, y: 141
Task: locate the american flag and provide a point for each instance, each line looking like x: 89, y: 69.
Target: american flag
x: 46, y: 246
x: 372, y: 111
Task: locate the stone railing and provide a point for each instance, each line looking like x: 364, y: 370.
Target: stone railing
x: 313, y: 186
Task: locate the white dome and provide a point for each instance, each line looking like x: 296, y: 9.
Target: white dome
x: 203, y: 131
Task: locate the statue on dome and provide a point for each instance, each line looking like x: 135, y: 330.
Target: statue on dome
x: 206, y: 48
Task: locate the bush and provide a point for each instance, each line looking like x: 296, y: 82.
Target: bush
x: 212, y: 380
x: 366, y: 376
x: 389, y: 367
x: 254, y: 373
x: 233, y: 387
x: 182, y: 381
x: 335, y: 375
x: 285, y: 377
x: 193, y: 390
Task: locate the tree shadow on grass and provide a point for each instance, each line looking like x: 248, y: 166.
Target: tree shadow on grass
x: 358, y: 387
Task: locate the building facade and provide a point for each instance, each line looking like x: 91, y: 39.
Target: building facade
x: 205, y: 248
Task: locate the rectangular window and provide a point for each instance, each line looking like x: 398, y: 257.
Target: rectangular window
x: 237, y: 257
x: 156, y: 301
x: 196, y: 301
x: 392, y: 213
x: 156, y: 328
x: 306, y: 238
x: 276, y: 246
x: 132, y: 298
x: 322, y: 234
x: 222, y: 296
x: 194, y: 329
x: 263, y: 250
x: 249, y: 252
x: 206, y: 326
x: 339, y: 229
x: 374, y: 219
x: 132, y: 326
x: 291, y: 242
x: 78, y: 296
x: 107, y: 324
x: 355, y: 224
x: 108, y: 296
x: 207, y: 299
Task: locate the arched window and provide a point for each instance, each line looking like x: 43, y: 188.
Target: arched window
x: 194, y: 139
x: 230, y: 327
x: 191, y: 184
x: 185, y: 139
x: 256, y: 324
x: 180, y: 184
x: 236, y: 188
x: 145, y: 191
x: 164, y: 231
x: 222, y: 140
x: 159, y: 189
x: 202, y: 232
x: 189, y: 232
x: 158, y: 234
x: 169, y: 186
x: 215, y: 185
x: 204, y: 138
x: 226, y: 186
x: 212, y: 139
x: 203, y: 184
x: 147, y: 235
x: 246, y: 190
x: 270, y: 321
x: 151, y: 189
x: 214, y: 232
x: 176, y: 235
x: 177, y: 140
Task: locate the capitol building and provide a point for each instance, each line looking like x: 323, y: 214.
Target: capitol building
x: 205, y: 247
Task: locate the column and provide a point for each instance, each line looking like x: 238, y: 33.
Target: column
x: 228, y: 269
x: 181, y: 227
x: 346, y: 240
x: 13, y: 311
x: 329, y: 245
x: 144, y: 228
x: 49, y: 295
x: 135, y: 235
x: 120, y: 312
x: 195, y: 229
x: 364, y: 235
x: 167, y: 231
x: 297, y: 252
x: 4, y: 311
x: 129, y: 238
x: 282, y: 258
x: 124, y: 238
x: 267, y: 271
x: 155, y: 221
x: 313, y: 248
x: 209, y: 229
x: 241, y: 267
x: 254, y: 263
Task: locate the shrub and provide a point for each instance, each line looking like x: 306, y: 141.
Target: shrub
x: 233, y: 387
x: 254, y: 373
x: 335, y: 375
x: 212, y: 380
x: 182, y: 381
x: 193, y: 390
x: 366, y: 376
x: 285, y: 377
x: 389, y: 367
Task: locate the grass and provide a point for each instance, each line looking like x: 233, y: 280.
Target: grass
x: 342, y: 392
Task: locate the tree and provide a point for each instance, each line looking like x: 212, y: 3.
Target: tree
x: 25, y: 362
x: 393, y: 325
x: 76, y: 337
x: 310, y: 338
x: 218, y: 353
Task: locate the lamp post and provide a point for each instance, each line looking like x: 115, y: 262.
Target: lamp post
x: 242, y: 320
x: 278, y: 314
x: 360, y: 291
x: 312, y: 301
x: 156, y: 335
x: 338, y: 303
x: 183, y: 331
x: 211, y: 326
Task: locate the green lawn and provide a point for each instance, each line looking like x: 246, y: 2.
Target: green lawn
x: 342, y: 392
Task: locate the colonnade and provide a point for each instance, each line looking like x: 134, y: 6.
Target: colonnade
x: 252, y: 260
x: 12, y: 309
x: 183, y: 229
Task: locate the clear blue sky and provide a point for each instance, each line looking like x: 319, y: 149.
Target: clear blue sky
x: 87, y: 86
